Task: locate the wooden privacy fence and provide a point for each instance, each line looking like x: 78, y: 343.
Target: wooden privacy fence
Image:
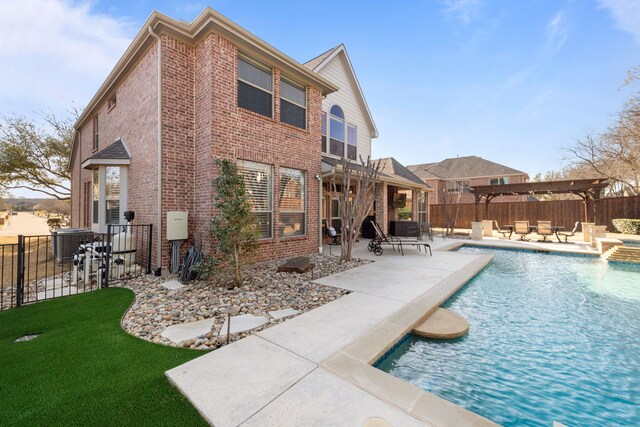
x: 559, y: 212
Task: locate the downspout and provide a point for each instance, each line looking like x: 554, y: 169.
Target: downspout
x: 159, y: 228
x: 319, y: 178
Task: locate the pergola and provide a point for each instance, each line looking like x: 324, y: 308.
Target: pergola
x: 588, y: 189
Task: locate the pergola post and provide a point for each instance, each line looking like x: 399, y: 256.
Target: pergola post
x: 477, y: 207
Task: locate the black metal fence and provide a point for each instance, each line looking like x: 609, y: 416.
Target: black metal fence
x: 72, y: 261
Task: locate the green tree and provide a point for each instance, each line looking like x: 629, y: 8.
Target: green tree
x: 34, y: 156
x: 232, y: 227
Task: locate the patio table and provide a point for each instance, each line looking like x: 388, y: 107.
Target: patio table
x: 555, y: 229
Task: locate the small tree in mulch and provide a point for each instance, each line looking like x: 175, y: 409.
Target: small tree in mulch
x: 232, y: 227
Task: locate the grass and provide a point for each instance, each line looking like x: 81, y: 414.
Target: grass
x: 84, y: 369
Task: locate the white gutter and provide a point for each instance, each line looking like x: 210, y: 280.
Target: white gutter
x: 319, y: 179
x: 159, y: 227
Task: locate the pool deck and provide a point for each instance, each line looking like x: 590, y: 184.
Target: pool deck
x: 315, y: 369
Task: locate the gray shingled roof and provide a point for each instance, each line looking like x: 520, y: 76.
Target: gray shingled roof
x: 116, y: 150
x: 462, y: 167
x: 390, y: 168
x: 312, y: 64
x: 394, y: 168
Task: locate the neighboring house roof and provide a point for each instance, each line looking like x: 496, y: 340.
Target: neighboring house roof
x: 317, y: 63
x: 115, y: 154
x: 462, y: 168
x: 391, y: 171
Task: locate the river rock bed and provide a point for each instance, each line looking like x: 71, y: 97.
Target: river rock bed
x: 155, y: 308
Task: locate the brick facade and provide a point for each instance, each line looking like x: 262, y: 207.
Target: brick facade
x: 200, y: 123
x: 439, y: 187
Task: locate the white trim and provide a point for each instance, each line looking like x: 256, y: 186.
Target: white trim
x: 102, y: 162
x: 341, y: 48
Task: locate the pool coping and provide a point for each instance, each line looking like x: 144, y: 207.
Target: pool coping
x: 354, y: 363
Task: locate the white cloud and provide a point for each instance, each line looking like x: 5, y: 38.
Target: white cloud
x: 557, y: 31
x: 54, y: 53
x: 626, y: 14
x: 463, y: 10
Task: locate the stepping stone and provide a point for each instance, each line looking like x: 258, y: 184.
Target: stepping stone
x: 244, y: 322
x: 279, y: 314
x: 443, y: 324
x: 299, y: 264
x: 172, y: 285
x: 188, y: 331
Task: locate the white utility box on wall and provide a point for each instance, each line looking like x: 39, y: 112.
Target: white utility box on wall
x: 177, y: 225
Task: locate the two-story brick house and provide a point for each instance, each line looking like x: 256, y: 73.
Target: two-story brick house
x: 185, y: 94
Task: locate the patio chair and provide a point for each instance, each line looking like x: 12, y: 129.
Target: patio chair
x: 505, y: 233
x: 544, y: 230
x: 522, y: 229
x: 381, y: 239
x: 332, y: 233
x: 567, y: 235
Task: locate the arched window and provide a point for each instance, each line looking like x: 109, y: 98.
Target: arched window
x: 336, y: 131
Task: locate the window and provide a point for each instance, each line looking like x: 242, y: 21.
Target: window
x: 422, y: 206
x: 499, y: 181
x: 95, y: 133
x: 292, y: 202
x: 352, y: 142
x: 111, y: 103
x: 112, y: 195
x: 458, y: 187
x: 96, y: 195
x: 336, y: 131
x: 258, y: 180
x: 293, y: 104
x: 324, y: 132
x: 255, y: 88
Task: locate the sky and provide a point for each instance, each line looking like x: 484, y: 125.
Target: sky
x: 515, y: 82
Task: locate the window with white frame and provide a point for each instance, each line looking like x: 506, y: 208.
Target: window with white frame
x: 293, y: 104
x: 336, y: 131
x: 422, y: 206
x: 499, y: 181
x: 258, y: 181
x: 255, y: 87
x: 292, y: 202
x: 352, y: 142
x: 96, y: 195
x: 112, y: 195
x: 324, y: 132
x: 458, y: 187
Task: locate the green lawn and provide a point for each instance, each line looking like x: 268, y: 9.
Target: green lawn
x: 84, y: 369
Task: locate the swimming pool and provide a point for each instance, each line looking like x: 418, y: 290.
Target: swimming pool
x: 552, y: 337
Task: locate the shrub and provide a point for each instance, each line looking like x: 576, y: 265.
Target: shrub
x: 627, y: 226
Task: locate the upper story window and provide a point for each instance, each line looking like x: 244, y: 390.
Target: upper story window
x: 499, y: 181
x: 458, y: 187
x: 336, y: 131
x: 111, y: 103
x: 255, y: 87
x: 352, y: 142
x: 324, y: 132
x: 293, y: 104
x: 95, y: 133
x: 258, y: 181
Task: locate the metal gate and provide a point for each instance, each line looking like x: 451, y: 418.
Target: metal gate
x: 38, y: 268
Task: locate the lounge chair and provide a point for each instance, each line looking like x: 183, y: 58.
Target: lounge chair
x: 522, y: 229
x: 567, y: 235
x: 505, y: 233
x: 381, y: 239
x: 544, y: 230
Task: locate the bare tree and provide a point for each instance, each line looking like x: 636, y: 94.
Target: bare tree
x: 35, y: 158
x: 614, y: 154
x: 451, y: 208
x: 355, y: 200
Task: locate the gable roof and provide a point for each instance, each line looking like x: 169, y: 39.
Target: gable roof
x: 462, y: 167
x: 116, y: 153
x: 391, y: 167
x: 391, y: 171
x: 319, y: 62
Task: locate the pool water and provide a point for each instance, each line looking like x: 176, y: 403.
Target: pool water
x: 551, y: 337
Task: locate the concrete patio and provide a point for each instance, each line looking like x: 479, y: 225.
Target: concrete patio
x: 315, y: 369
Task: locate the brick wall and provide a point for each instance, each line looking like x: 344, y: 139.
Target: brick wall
x: 440, y: 185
